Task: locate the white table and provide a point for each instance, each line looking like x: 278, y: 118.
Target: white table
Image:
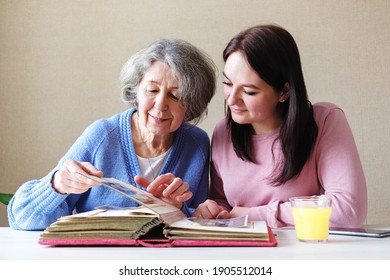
x: 23, y: 245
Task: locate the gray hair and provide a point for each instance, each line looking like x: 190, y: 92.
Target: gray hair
x: 194, y: 70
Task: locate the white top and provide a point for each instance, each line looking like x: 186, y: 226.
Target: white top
x: 151, y: 167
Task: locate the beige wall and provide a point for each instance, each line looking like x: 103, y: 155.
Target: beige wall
x: 60, y: 59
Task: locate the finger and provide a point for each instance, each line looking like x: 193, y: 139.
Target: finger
x: 196, y: 212
x: 176, y: 188
x: 65, y: 184
x: 145, y: 183
x: 164, y: 179
x: 141, y: 181
x: 184, y: 197
x: 202, y: 211
x: 75, y: 170
x: 207, y: 213
x: 91, y: 169
x: 158, y: 192
x: 211, y: 209
x: 223, y: 215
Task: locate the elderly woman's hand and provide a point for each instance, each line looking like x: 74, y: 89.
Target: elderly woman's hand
x: 168, y: 187
x: 68, y: 180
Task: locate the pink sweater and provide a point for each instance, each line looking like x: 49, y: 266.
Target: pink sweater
x: 334, y: 169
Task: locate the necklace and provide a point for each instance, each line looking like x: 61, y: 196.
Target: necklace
x: 144, y: 141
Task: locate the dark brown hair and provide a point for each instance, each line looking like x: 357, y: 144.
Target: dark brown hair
x: 272, y: 52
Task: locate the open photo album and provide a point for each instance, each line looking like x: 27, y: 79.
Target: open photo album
x: 154, y: 223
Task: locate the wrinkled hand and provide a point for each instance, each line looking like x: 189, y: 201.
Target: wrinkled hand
x: 67, y: 180
x: 211, y: 210
x: 168, y: 187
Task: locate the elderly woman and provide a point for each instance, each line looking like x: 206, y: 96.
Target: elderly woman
x: 154, y: 144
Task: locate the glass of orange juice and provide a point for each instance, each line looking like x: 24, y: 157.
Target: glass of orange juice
x: 311, y: 217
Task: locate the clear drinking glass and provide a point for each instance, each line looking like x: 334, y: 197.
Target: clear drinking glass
x: 311, y: 217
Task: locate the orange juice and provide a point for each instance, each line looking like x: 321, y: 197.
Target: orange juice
x: 311, y: 222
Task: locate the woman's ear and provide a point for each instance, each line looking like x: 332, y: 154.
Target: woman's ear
x: 285, y: 94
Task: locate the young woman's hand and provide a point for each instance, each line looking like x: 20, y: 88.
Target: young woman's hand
x: 211, y: 210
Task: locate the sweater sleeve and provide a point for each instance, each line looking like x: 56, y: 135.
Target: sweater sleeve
x: 36, y: 204
x: 340, y: 172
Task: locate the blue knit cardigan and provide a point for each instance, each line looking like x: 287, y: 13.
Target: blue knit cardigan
x: 108, y: 145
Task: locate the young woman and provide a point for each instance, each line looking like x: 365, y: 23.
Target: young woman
x: 274, y: 144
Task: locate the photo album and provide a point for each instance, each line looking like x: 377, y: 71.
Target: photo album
x: 154, y: 223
